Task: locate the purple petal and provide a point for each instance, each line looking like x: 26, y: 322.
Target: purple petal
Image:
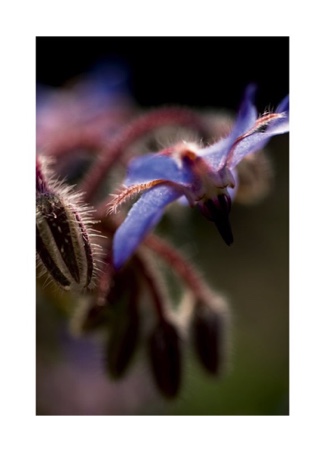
x: 283, y: 105
x: 259, y: 140
x: 143, y: 217
x: 157, y: 166
x: 247, y: 113
x: 254, y: 143
x: 281, y: 125
x: 216, y: 154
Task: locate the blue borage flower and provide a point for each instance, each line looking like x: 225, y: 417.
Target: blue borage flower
x: 206, y: 177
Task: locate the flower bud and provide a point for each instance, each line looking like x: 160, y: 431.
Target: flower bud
x: 165, y: 358
x: 123, y: 338
x: 209, y: 330
x: 64, y: 249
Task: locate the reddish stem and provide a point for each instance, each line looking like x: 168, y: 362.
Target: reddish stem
x: 181, y: 266
x: 146, y: 271
x: 41, y: 185
x: 114, y: 150
x: 152, y: 283
x: 88, y: 136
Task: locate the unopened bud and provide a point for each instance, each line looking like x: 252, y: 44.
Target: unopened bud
x: 209, y: 331
x: 63, y: 245
x: 165, y: 358
x: 123, y: 339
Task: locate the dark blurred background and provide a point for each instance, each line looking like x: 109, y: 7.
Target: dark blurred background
x: 199, y: 71
x: 254, y: 272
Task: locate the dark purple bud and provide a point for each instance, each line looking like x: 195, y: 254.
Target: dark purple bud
x: 123, y: 339
x: 124, y: 323
x: 217, y: 210
x: 208, y: 329
x: 165, y: 358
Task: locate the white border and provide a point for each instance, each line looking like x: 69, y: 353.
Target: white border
x: 303, y: 428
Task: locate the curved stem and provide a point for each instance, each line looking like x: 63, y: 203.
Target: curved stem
x: 90, y: 136
x: 146, y: 270
x: 188, y: 273
x: 152, y: 281
x: 114, y: 150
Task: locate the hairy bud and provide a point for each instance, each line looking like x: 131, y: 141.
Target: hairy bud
x: 165, y: 358
x: 63, y: 244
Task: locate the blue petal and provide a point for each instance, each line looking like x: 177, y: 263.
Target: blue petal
x: 283, y: 105
x: 281, y: 125
x: 143, y: 217
x: 216, y: 154
x: 156, y: 166
x: 247, y: 113
x: 259, y: 140
x: 254, y: 143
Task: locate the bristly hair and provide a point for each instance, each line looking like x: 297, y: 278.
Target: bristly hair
x: 126, y: 193
x: 66, y: 248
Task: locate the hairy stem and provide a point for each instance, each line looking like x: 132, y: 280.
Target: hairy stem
x: 187, y: 272
x: 90, y: 136
x: 148, y: 273
x: 152, y: 280
x: 113, y: 151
